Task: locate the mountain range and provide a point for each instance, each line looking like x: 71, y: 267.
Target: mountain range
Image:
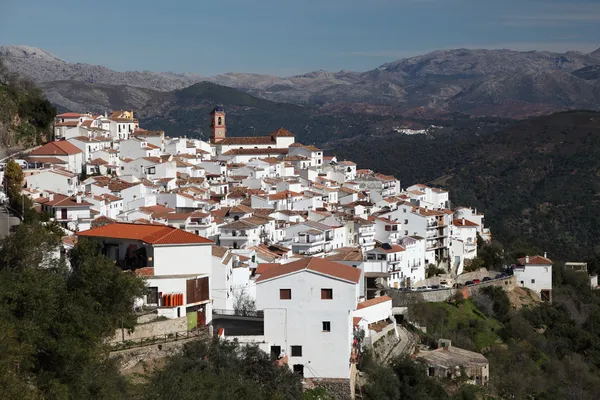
x: 475, y: 82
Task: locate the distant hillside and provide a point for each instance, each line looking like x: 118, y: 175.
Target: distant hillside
x: 41, y: 66
x: 477, y: 82
x: 536, y: 180
x: 186, y: 112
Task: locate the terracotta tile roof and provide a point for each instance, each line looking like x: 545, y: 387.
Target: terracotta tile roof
x: 98, y: 161
x: 62, y: 148
x: 218, y: 251
x: 248, y: 140
x: 241, y: 210
x: 372, y: 302
x: 534, y: 260
x: 45, y: 160
x: 281, y: 132
x: 356, y: 320
x: 234, y: 152
x: 158, y: 209
x: 146, y: 271
x: 240, y: 224
x: 69, y: 240
x: 464, y: 223
x: 60, y: 200
x: 263, y: 267
x: 283, y: 195
x: 346, y: 254
x: 71, y: 124
x: 63, y: 173
x: 151, y: 234
x: 318, y: 265
x: 69, y: 115
x: 117, y: 185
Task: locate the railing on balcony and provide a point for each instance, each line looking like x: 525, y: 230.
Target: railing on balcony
x: 240, y: 313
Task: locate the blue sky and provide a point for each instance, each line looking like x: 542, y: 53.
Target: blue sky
x: 286, y: 37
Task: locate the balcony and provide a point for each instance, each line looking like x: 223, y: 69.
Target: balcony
x: 234, y: 235
x: 436, y: 245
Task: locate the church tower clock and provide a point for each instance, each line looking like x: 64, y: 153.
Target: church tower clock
x: 217, y: 125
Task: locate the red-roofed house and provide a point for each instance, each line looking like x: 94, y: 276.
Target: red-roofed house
x: 174, y: 262
x: 308, y: 306
x: 71, y: 211
x: 535, y: 273
x: 463, y: 243
x: 62, y: 150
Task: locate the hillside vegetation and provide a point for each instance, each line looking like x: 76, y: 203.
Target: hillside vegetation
x: 25, y: 114
x: 536, y: 180
x: 550, y: 351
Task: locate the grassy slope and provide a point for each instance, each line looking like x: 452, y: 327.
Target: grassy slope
x: 463, y: 323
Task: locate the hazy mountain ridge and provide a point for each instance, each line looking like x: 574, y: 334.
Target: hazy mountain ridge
x: 480, y: 82
x: 42, y: 67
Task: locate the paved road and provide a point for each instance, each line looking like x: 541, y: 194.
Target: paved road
x: 405, y: 345
x: 7, y: 220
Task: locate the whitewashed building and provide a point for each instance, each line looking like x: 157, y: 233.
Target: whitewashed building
x: 308, y: 306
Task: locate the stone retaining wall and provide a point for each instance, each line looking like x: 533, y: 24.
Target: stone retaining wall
x: 150, y: 329
x: 403, y: 299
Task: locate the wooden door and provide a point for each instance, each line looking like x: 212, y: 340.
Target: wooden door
x: 201, y: 315
x: 63, y: 213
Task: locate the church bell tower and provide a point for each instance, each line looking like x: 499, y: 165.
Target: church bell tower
x: 217, y: 125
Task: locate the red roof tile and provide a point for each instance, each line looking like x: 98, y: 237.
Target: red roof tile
x: 263, y: 267
x: 281, y: 132
x: 372, y: 302
x: 535, y: 260
x: 464, y: 223
x: 319, y: 265
x: 152, y: 234
x: 62, y: 147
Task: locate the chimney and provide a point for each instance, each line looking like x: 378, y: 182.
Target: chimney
x: 51, y: 196
x: 78, y: 198
x: 463, y: 221
x: 526, y: 259
x: 545, y: 255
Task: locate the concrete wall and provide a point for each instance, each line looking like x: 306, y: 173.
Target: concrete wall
x: 479, y: 274
x: 150, y: 329
x: 375, y: 313
x: 176, y: 260
x: 400, y: 298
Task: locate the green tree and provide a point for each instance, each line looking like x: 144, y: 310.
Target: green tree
x: 219, y: 369
x: 13, y: 180
x: 55, y: 319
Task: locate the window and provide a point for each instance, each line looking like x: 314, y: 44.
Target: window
x: 326, y: 294
x: 285, y: 294
x: 326, y: 326
x: 296, y: 351
x: 533, y: 281
x: 299, y: 370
